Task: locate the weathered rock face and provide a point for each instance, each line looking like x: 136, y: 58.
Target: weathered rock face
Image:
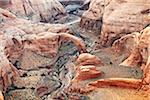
x: 126, y: 44
x: 92, y: 18
x: 122, y: 17
x: 49, y: 61
x: 10, y: 20
x: 140, y: 53
x: 86, y: 67
x: 20, y: 44
x: 41, y: 10
x: 116, y: 18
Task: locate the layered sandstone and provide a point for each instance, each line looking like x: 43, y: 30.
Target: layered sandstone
x: 86, y: 67
x: 115, y: 18
x: 122, y: 17
x: 139, y: 54
x: 20, y: 45
x: 92, y: 18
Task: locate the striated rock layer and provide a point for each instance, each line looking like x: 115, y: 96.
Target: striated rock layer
x: 86, y: 67
x: 92, y: 18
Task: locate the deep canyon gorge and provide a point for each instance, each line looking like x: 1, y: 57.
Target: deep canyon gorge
x: 74, y: 50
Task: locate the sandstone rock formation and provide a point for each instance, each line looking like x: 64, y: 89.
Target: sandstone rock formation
x: 15, y: 42
x: 122, y: 17
x: 41, y: 10
x: 88, y: 78
x: 117, y: 82
x: 92, y: 18
x: 44, y: 44
x: 140, y: 53
x: 8, y: 19
x: 115, y: 18
x: 86, y: 67
x: 126, y: 43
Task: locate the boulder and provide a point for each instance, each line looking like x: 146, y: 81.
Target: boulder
x: 86, y: 67
x: 87, y: 72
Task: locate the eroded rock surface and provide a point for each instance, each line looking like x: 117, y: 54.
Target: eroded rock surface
x: 41, y: 10
x: 19, y: 46
x: 92, y: 18
x: 115, y: 18
x: 140, y: 53
x: 86, y: 67
x: 122, y: 17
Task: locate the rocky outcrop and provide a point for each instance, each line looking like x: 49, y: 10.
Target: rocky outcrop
x: 45, y: 61
x: 115, y: 18
x: 20, y: 45
x: 10, y: 20
x: 92, y: 18
x: 117, y: 82
x: 41, y: 10
x: 126, y: 44
x: 87, y: 72
x: 140, y: 53
x: 122, y: 17
x: 86, y: 67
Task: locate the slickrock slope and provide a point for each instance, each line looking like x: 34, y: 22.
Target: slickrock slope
x: 97, y: 83
x: 41, y: 10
